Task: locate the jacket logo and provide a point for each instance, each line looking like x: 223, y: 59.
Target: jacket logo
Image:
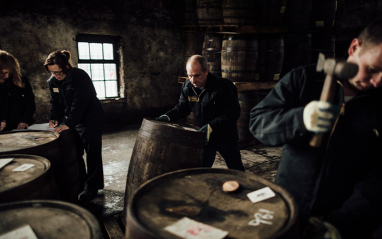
x: 55, y: 90
x: 192, y: 99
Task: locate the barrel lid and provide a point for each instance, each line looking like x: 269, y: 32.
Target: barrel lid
x: 198, y: 194
x: 16, y: 140
x: 49, y: 219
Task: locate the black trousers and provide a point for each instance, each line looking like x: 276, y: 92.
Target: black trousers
x: 229, y: 151
x: 91, y: 135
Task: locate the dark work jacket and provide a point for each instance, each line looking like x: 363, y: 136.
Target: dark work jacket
x: 217, y: 105
x: 75, y: 99
x: 341, y: 180
x: 17, y: 104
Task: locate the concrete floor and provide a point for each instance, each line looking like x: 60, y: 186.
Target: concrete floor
x: 117, y: 150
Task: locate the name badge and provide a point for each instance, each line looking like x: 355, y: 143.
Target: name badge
x: 55, y: 90
x: 192, y: 99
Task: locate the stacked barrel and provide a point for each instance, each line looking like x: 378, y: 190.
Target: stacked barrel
x: 270, y: 38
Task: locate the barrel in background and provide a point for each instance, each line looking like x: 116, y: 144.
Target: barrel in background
x: 239, y: 57
x: 239, y: 12
x: 190, y: 15
x: 209, y: 12
x: 270, y: 12
x: 198, y: 195
x: 64, y: 151
x: 160, y: 148
x: 297, y: 51
x: 248, y: 100
x: 297, y: 15
x: 36, y: 182
x: 270, y: 57
x: 193, y: 45
x: 212, y: 46
x: 50, y: 219
x: 323, y: 15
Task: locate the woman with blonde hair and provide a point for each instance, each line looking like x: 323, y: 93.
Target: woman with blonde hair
x: 17, y: 105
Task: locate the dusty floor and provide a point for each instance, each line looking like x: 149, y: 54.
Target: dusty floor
x: 117, y: 150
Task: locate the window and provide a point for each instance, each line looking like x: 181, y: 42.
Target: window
x: 98, y: 56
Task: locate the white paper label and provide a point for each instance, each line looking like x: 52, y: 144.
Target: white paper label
x: 191, y: 229
x: 4, y: 162
x: 261, y: 194
x: 24, y: 232
x: 23, y: 167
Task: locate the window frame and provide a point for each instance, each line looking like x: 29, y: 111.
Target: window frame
x: 115, y: 40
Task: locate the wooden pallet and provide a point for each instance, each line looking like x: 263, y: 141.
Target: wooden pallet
x: 113, y: 227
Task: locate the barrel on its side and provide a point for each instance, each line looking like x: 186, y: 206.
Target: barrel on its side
x: 239, y: 58
x: 210, y: 12
x: 64, y: 151
x: 160, y: 148
x: 50, y: 219
x: 36, y: 182
x: 198, y: 195
x: 239, y: 12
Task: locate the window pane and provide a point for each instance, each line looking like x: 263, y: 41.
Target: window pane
x: 100, y: 89
x: 108, y: 51
x: 96, y: 51
x: 110, y: 72
x: 83, y: 50
x: 111, y: 89
x: 85, y: 67
x: 97, y: 72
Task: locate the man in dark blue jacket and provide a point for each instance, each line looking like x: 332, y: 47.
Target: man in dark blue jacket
x: 338, y: 185
x: 214, y: 102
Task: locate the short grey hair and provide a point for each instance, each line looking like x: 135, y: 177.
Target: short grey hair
x: 199, y: 59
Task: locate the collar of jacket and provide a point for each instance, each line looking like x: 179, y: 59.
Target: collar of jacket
x: 67, y: 79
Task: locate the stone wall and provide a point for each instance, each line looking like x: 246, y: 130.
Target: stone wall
x: 151, y: 48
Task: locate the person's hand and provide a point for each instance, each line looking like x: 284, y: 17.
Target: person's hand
x: 61, y: 128
x: 163, y: 118
x: 22, y: 125
x: 53, y: 123
x: 207, y: 130
x: 319, y: 116
x: 3, y: 124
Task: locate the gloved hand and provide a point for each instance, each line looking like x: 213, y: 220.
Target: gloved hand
x: 319, y: 116
x: 207, y: 130
x: 317, y: 229
x: 163, y: 118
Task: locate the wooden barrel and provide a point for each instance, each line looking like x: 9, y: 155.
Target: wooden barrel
x: 297, y: 51
x: 322, y: 42
x: 270, y: 58
x: 49, y: 219
x: 248, y: 100
x: 210, y: 12
x: 270, y: 12
x: 63, y: 150
x: 160, y: 148
x: 323, y: 14
x: 212, y: 46
x: 297, y: 15
x: 193, y: 44
x: 190, y: 16
x: 197, y: 194
x: 36, y: 182
x: 191, y: 119
x: 239, y: 58
x: 239, y: 12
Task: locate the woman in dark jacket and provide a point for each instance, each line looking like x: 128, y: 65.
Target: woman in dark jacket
x: 17, y: 103
x: 74, y: 105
